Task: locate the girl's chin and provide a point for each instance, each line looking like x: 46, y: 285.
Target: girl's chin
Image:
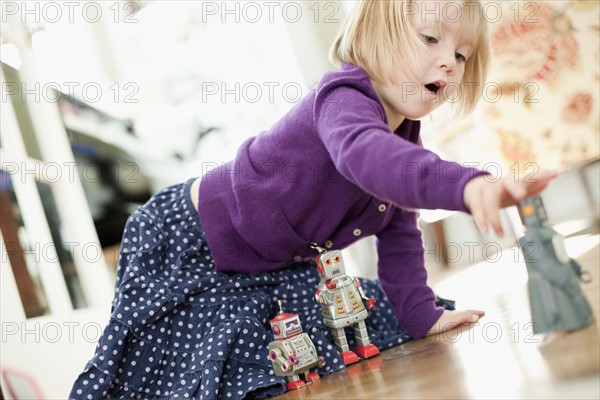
x: 426, y: 111
x: 419, y: 115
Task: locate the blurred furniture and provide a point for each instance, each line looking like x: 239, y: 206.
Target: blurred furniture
x: 572, y: 199
x: 20, y: 385
x: 52, y: 215
x: 9, y: 226
x: 111, y: 178
x: 116, y: 165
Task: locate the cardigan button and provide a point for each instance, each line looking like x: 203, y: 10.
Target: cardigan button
x: 382, y: 207
x: 297, y: 258
x: 329, y: 244
x: 357, y: 232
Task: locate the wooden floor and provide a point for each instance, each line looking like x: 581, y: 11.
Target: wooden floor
x: 497, y: 358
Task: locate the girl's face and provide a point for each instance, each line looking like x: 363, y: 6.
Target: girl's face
x: 444, y: 28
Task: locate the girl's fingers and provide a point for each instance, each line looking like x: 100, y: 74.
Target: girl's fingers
x: 546, y: 176
x: 479, y: 313
x: 470, y: 316
x: 517, y: 190
x: 520, y: 190
x: 485, y: 199
x: 452, y: 319
x: 539, y: 183
x: 474, y: 315
x: 478, y: 212
x: 492, y: 210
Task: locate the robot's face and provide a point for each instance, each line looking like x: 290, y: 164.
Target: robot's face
x: 331, y: 264
x: 285, y: 328
x: 532, y: 211
x: 292, y: 327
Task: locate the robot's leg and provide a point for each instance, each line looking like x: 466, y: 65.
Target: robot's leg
x: 339, y: 337
x: 312, y: 376
x: 364, y: 349
x: 294, y: 382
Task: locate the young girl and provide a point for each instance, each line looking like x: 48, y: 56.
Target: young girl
x: 203, y: 263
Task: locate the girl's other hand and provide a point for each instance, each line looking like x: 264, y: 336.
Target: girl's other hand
x: 484, y: 198
x: 451, y: 319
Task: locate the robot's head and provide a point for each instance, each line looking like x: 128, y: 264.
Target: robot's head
x: 285, y: 325
x: 532, y: 212
x: 331, y: 264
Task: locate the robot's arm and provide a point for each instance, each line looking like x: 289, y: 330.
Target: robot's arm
x: 584, y: 276
x: 558, y: 242
x: 277, y: 358
x: 321, y: 363
x: 324, y: 297
x: 370, y: 300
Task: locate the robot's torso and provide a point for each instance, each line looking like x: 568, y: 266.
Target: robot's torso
x: 300, y: 348
x: 341, y: 302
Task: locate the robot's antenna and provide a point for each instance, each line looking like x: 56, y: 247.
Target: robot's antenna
x: 315, y: 246
x: 280, y: 307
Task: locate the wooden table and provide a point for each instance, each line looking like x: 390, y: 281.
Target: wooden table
x: 497, y: 358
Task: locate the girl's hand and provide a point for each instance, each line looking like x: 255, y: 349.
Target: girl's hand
x: 452, y: 319
x: 484, y: 198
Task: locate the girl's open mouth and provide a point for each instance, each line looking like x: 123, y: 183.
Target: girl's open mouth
x: 432, y: 87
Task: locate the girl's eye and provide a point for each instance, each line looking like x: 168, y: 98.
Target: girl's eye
x: 337, y: 259
x: 460, y: 57
x: 328, y: 261
x: 429, y: 39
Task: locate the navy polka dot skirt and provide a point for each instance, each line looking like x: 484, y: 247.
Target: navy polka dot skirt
x: 180, y: 329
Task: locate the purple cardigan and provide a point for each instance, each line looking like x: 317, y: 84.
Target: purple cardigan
x: 332, y: 172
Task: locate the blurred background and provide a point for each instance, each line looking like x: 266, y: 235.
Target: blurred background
x: 104, y: 103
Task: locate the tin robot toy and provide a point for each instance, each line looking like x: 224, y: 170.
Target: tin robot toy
x: 343, y: 303
x: 292, y: 352
x: 557, y: 303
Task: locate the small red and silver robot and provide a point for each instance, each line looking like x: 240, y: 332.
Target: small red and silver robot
x: 343, y: 303
x: 292, y: 352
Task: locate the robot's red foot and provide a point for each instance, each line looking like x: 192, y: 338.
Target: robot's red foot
x: 295, y: 384
x: 367, y: 351
x: 313, y: 376
x: 349, y: 357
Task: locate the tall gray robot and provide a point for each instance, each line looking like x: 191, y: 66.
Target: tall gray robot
x: 557, y: 303
x: 343, y: 303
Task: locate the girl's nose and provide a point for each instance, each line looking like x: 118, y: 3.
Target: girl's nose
x: 447, y: 61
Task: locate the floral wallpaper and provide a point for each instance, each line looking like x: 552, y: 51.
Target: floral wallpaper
x: 541, y: 102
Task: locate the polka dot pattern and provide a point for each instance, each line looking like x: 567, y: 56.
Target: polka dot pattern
x: 179, y: 329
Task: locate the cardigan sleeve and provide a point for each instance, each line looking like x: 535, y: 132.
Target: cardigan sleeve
x: 364, y: 150
x: 402, y: 274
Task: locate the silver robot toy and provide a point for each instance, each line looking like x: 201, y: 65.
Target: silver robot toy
x: 556, y: 300
x: 343, y: 303
x: 292, y: 352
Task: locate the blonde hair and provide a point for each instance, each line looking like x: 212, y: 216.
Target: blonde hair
x: 379, y: 37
